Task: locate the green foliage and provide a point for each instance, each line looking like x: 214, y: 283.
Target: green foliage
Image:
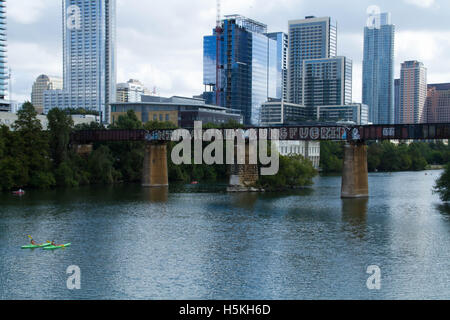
x: 29, y: 147
x: 12, y: 174
x: 27, y: 121
x: 101, y: 167
x: 389, y: 157
x: 331, y: 156
x: 90, y: 126
x: 295, y: 171
x: 442, y: 186
x: 65, y: 176
x: 42, y: 180
x: 127, y: 121
x: 71, y: 111
x: 60, y: 125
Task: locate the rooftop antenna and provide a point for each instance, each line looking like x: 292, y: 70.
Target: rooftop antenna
x: 219, y: 15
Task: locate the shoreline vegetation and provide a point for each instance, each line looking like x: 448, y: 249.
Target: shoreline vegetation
x: 389, y: 157
x: 33, y: 158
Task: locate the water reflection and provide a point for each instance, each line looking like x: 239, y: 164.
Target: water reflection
x: 156, y: 195
x: 354, y: 213
x: 244, y: 200
x: 444, y: 208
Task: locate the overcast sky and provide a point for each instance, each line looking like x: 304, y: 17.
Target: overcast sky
x: 160, y: 41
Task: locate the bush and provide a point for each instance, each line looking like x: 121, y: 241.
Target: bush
x: 442, y: 186
x: 294, y: 172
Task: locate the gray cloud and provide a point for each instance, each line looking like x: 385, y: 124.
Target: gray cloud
x: 160, y: 42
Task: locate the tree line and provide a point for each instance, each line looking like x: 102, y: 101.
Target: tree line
x: 31, y: 157
x: 388, y: 157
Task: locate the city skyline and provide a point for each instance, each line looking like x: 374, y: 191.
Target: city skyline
x: 151, y: 53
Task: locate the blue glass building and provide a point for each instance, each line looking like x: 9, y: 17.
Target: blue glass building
x: 248, y: 74
x: 378, y: 70
x: 309, y: 38
x: 282, y: 63
x: 4, y: 74
x: 89, y: 50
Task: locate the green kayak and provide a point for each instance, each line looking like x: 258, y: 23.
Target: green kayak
x: 57, y: 247
x: 32, y: 246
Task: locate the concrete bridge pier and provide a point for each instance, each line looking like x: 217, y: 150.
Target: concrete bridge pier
x: 243, y: 176
x: 355, y: 175
x: 155, y: 172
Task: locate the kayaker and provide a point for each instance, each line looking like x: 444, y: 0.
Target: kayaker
x: 56, y: 245
x: 33, y: 242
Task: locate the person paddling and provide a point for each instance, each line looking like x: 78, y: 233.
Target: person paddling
x: 56, y: 245
x: 33, y: 242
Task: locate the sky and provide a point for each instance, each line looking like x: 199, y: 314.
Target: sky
x: 160, y: 42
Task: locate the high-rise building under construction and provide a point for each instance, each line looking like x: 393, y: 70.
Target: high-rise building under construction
x: 240, y: 70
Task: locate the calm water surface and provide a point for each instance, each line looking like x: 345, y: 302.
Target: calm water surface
x: 199, y: 242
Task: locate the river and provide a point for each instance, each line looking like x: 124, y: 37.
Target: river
x: 199, y: 242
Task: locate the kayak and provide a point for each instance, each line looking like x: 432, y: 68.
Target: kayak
x: 34, y: 246
x: 57, y: 247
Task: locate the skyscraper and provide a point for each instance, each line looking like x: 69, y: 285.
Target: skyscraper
x: 438, y: 103
x: 247, y: 67
x: 4, y: 74
x: 282, y: 63
x: 327, y: 82
x: 310, y: 38
x: 397, y: 101
x: 89, y: 50
x: 413, y: 93
x: 378, y: 69
x: 43, y: 83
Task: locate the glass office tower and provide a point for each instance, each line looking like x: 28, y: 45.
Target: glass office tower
x: 282, y: 62
x: 310, y: 38
x: 327, y: 82
x: 248, y: 73
x: 378, y: 70
x: 4, y: 74
x: 89, y: 50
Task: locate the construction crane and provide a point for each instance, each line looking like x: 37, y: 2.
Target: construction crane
x: 219, y: 32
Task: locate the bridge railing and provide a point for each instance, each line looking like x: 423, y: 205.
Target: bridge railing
x: 307, y: 133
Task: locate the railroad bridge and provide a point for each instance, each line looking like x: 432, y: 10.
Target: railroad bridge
x: 355, y: 170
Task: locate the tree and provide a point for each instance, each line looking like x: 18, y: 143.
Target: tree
x: 331, y: 157
x: 101, y: 166
x: 295, y: 171
x: 32, y: 149
x: 442, y: 186
x: 128, y: 121
x: 60, y: 126
x: 128, y: 156
x: 27, y: 121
